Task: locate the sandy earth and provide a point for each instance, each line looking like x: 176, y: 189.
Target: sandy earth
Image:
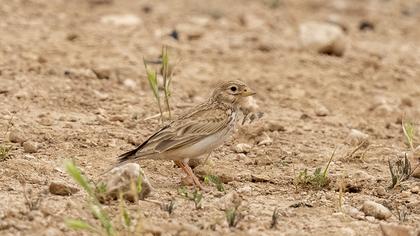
x: 73, y: 82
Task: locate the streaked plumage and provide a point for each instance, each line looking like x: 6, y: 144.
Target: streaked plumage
x: 196, y: 132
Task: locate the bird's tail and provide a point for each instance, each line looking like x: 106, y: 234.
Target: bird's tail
x: 127, y: 155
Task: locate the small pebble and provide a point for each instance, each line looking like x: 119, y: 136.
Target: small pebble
x: 30, y: 147
x: 353, y: 212
x: 324, y: 38
x: 62, y: 189
x: 15, y: 136
x: 321, y: 110
x: 264, y: 140
x: 371, y: 208
x: 242, y: 148
x: 130, y: 84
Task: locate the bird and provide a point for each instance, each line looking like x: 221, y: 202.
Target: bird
x: 196, y: 132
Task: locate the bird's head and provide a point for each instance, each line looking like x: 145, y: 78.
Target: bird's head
x: 231, y: 92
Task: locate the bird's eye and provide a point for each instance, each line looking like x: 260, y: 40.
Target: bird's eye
x: 233, y: 88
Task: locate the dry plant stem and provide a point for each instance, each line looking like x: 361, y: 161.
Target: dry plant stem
x: 407, y: 135
x: 356, y: 149
x: 166, y: 78
x: 187, y: 169
x: 329, y: 162
x: 9, y: 124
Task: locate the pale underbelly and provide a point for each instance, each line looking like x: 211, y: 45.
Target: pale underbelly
x: 200, y: 148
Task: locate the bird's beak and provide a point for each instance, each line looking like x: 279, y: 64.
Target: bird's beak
x: 248, y: 92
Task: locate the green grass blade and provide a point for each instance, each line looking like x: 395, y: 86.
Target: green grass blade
x: 103, y: 218
x: 77, y: 176
x: 79, y: 225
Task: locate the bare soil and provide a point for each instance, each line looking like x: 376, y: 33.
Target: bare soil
x: 74, y: 83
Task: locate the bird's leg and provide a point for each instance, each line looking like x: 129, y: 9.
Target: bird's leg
x: 187, y: 169
x: 208, y: 156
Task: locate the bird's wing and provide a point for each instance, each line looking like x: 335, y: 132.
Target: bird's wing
x: 189, y: 129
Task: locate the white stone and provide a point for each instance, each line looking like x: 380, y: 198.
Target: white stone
x: 371, y: 208
x: 242, y: 148
x: 120, y: 180
x: 323, y: 38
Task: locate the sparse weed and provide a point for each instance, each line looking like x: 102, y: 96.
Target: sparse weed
x: 105, y: 226
x: 318, y: 179
x: 233, y: 216
x: 400, y: 171
x: 215, y: 180
x: 169, y: 207
x: 32, y: 201
x: 403, y: 213
x: 195, y: 196
x: 166, y: 73
x: 274, y: 218
x: 408, y: 129
x: 154, y: 86
x: 5, y: 149
x: 4, y: 152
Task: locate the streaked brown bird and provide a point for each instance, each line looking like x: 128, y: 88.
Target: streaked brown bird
x: 196, y: 132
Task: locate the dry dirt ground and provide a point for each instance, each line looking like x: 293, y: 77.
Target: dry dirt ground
x: 73, y: 82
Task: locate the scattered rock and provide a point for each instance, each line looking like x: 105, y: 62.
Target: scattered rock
x: 102, y: 73
x: 371, y: 219
x: 371, y: 208
x: 394, y: 230
x: 130, y: 84
x: 229, y: 201
x: 174, y: 34
x: 245, y: 190
x: 62, y: 189
x: 242, y: 148
x: 80, y: 74
x: 380, y: 191
x: 274, y: 125
x: 119, y: 118
x: 353, y: 212
x: 120, y: 180
x: 321, y: 110
x: 356, y: 137
x: 30, y: 147
x: 325, y: 38
x: 264, y: 140
x: 189, y: 32
x: 407, y: 102
x: 415, y: 189
x: 366, y: 25
x: 260, y: 178
x: 46, y: 121
x: 121, y: 20
x: 16, y: 136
